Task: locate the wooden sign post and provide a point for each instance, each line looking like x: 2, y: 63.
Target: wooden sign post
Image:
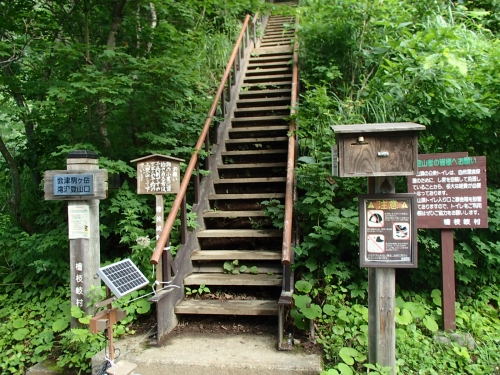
x: 387, y: 220
x: 451, y: 194
x: 82, y: 184
x: 159, y: 175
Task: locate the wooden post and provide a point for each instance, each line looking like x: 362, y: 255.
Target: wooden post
x: 84, y: 252
x: 382, y: 298
x: 448, y: 276
x: 159, y: 220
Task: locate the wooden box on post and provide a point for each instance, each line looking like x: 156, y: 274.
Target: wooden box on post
x: 158, y: 174
x: 370, y: 150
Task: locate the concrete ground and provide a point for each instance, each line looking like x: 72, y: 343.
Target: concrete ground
x: 213, y: 354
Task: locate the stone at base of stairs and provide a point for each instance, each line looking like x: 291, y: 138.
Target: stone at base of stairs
x: 214, y: 354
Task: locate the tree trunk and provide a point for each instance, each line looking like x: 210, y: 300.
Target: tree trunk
x: 118, y: 7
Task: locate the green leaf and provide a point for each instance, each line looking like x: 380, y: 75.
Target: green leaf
x: 60, y: 325
x: 143, y: 306
x: 19, y: 323
x: 344, y: 369
x: 76, y: 312
x: 303, y: 286
x: 20, y: 334
x: 243, y: 268
x: 403, y: 317
x: 430, y: 324
x: 436, y: 297
x: 329, y: 310
x: 347, y: 354
x: 254, y: 270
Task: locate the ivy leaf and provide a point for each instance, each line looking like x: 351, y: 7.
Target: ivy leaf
x: 20, y: 334
x: 254, y: 270
x: 60, y: 325
x: 243, y: 268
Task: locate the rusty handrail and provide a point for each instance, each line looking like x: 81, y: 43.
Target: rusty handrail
x: 169, y: 223
x: 286, y: 255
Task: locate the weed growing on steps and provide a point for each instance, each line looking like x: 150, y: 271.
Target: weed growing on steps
x: 234, y: 268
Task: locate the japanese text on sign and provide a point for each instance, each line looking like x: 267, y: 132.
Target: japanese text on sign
x: 158, y: 177
x: 74, y: 184
x: 451, y: 191
x: 387, y: 230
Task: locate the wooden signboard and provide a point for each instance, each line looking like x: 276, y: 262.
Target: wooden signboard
x: 451, y: 191
x: 72, y: 185
x: 158, y: 174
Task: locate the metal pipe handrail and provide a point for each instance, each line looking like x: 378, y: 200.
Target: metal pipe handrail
x: 169, y: 223
x: 286, y: 255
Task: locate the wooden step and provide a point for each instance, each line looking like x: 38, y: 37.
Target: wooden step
x: 249, y: 180
x: 268, y: 78
x: 235, y: 280
x: 263, y: 103
x: 272, y: 50
x: 251, y: 72
x: 256, y: 140
x: 256, y: 118
x: 270, y: 93
x: 251, y: 165
x: 269, y: 58
x: 233, y: 214
x: 253, y: 152
x: 215, y: 268
x: 246, y: 196
x: 234, y: 233
x: 262, y: 85
x: 228, y: 307
x: 265, y: 65
x: 258, y: 129
x: 235, y: 254
x: 275, y: 108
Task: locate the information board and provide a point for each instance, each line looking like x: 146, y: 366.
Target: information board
x: 388, y: 231
x: 73, y: 184
x: 158, y: 177
x: 451, y: 191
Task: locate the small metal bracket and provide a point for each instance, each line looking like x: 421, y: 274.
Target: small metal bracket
x: 383, y: 154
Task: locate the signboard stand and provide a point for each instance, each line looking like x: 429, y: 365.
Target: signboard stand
x: 82, y: 184
x: 159, y: 175
x: 451, y: 193
x: 382, y: 298
x: 448, y: 276
x: 387, y: 224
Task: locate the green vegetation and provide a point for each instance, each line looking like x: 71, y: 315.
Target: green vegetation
x: 128, y: 78
x: 429, y: 62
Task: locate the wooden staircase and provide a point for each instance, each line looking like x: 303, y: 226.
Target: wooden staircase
x: 251, y: 161
x: 249, y: 167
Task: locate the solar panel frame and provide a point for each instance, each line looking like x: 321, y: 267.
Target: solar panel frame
x: 122, y: 277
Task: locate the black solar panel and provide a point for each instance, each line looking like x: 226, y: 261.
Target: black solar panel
x: 122, y: 277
